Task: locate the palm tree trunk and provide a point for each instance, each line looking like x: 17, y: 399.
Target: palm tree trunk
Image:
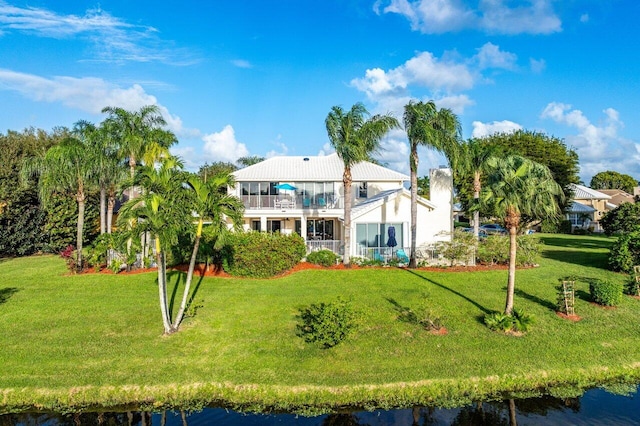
x: 111, y: 203
x: 81, y: 200
x: 187, y: 285
x: 347, y: 181
x: 511, y: 282
x: 414, y: 204
x: 103, y: 208
x: 162, y: 287
x: 476, y: 198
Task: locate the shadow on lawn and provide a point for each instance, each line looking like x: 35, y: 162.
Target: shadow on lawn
x: 542, y: 302
x: 180, y: 280
x: 593, y: 260
x: 457, y: 293
x: 6, y: 293
x: 577, y: 243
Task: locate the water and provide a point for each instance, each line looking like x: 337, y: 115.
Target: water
x: 595, y: 407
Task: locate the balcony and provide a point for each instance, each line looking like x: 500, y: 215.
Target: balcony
x: 288, y: 202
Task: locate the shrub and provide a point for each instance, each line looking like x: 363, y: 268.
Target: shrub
x: 518, y: 321
x: 623, y: 219
x: 564, y: 227
x: 550, y: 226
x: 322, y: 257
x: 606, y: 293
x: 69, y: 256
x: 460, y: 249
x: 625, y: 252
x: 495, y: 250
x: 262, y: 254
x: 632, y: 287
x: 327, y: 323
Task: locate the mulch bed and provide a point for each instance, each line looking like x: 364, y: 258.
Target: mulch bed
x: 574, y: 318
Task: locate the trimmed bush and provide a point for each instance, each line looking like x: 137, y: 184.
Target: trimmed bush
x: 324, y: 258
x: 327, y: 323
x: 606, y: 293
x: 262, y: 254
x: 625, y: 252
x: 495, y: 250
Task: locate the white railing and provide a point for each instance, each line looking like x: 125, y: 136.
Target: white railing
x: 315, y: 245
x: 286, y: 201
x: 425, y: 255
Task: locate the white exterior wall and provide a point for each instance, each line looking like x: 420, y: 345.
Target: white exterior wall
x: 441, y: 194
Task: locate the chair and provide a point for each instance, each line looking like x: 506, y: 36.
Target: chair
x: 322, y: 202
x: 400, y: 254
x: 306, y: 203
x: 378, y: 256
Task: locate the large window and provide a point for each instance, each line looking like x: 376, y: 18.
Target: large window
x: 257, y: 194
x: 377, y: 234
x: 316, y: 194
x: 320, y: 229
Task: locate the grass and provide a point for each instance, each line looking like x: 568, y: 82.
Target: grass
x: 69, y: 342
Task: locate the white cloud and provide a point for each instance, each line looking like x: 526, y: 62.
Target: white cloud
x: 599, y: 147
x: 456, y: 103
x: 113, y: 39
x: 241, y: 63
x: 223, y: 146
x: 326, y: 149
x: 537, y: 65
x: 490, y: 56
x: 88, y: 94
x: 481, y: 129
x: 441, y: 16
x: 281, y: 149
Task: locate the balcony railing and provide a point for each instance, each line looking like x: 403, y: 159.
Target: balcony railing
x: 287, y: 202
x: 333, y: 245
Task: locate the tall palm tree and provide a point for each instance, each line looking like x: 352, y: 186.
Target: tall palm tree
x: 473, y: 162
x: 211, y: 202
x: 439, y: 129
x: 64, y: 169
x: 163, y: 211
x: 518, y: 187
x: 356, y: 137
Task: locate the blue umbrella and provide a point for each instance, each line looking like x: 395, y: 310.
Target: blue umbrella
x: 391, y: 241
x: 285, y: 186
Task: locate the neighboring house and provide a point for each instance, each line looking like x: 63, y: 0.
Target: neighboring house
x: 305, y: 195
x: 587, y: 208
x: 618, y: 197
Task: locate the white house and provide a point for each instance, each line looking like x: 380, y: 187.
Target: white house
x: 305, y: 195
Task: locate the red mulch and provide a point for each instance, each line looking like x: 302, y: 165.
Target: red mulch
x: 214, y: 271
x: 574, y: 318
x: 439, y: 332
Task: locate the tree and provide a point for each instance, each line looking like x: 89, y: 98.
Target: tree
x: 163, y: 211
x: 613, y: 180
x: 472, y: 163
x: 249, y: 161
x: 439, y: 129
x: 518, y: 187
x: 356, y: 137
x: 216, y: 168
x: 546, y: 150
x: 210, y: 201
x: 64, y: 169
x: 424, y: 187
x: 623, y: 219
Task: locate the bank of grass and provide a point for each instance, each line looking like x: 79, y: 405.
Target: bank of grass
x: 72, y: 342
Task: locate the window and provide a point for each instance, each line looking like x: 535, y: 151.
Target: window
x: 362, y: 190
x: 377, y: 234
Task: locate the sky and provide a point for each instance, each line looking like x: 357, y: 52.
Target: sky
x: 258, y: 77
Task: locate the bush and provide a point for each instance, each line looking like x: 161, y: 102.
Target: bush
x: 327, y: 323
x: 495, y: 250
x: 322, y: 257
x: 606, y: 293
x: 564, y: 227
x: 632, y: 287
x: 623, y: 219
x: 625, y: 252
x: 460, y: 249
x: 550, y: 226
x: 262, y: 254
x: 518, y: 321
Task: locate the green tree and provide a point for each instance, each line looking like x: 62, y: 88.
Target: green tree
x: 64, y: 169
x: 249, y: 161
x: 216, y: 168
x: 210, y: 201
x: 424, y: 187
x: 518, y: 187
x: 622, y: 220
x: 163, y: 211
x: 439, y: 129
x: 544, y: 149
x: 356, y: 137
x: 613, y: 180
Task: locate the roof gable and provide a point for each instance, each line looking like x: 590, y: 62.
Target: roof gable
x: 582, y: 192
x: 314, y: 169
x: 384, y: 197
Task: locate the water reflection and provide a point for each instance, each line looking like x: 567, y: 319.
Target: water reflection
x: 595, y: 407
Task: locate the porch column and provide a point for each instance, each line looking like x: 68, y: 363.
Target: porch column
x: 263, y: 223
x: 303, y: 227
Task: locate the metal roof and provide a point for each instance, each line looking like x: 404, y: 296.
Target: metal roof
x: 314, y: 169
x: 580, y: 208
x: 382, y: 198
x: 582, y: 192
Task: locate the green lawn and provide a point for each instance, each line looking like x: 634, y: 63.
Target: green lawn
x: 71, y: 341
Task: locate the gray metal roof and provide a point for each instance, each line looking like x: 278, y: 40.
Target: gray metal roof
x: 314, y: 169
x: 580, y: 208
x: 382, y: 198
x: 582, y: 192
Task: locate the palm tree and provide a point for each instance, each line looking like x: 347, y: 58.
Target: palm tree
x: 355, y: 138
x: 211, y: 202
x: 439, y: 129
x: 64, y: 168
x: 473, y: 159
x: 518, y: 187
x: 163, y: 211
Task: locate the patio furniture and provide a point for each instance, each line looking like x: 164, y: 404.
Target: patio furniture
x: 400, y: 254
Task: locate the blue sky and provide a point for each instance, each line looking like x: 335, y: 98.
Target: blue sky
x: 236, y: 78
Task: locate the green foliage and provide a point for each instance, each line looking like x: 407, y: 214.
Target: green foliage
x: 460, y: 249
x: 22, y: 225
x: 605, y: 292
x: 62, y: 218
x: 423, y: 317
x: 613, y: 180
x: 325, y: 258
x: 625, y: 253
x: 623, y: 219
x: 327, y: 323
x: 519, y: 321
x: 494, y: 250
x: 632, y: 286
x: 365, y: 261
x: 262, y: 254
x: 555, y: 226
